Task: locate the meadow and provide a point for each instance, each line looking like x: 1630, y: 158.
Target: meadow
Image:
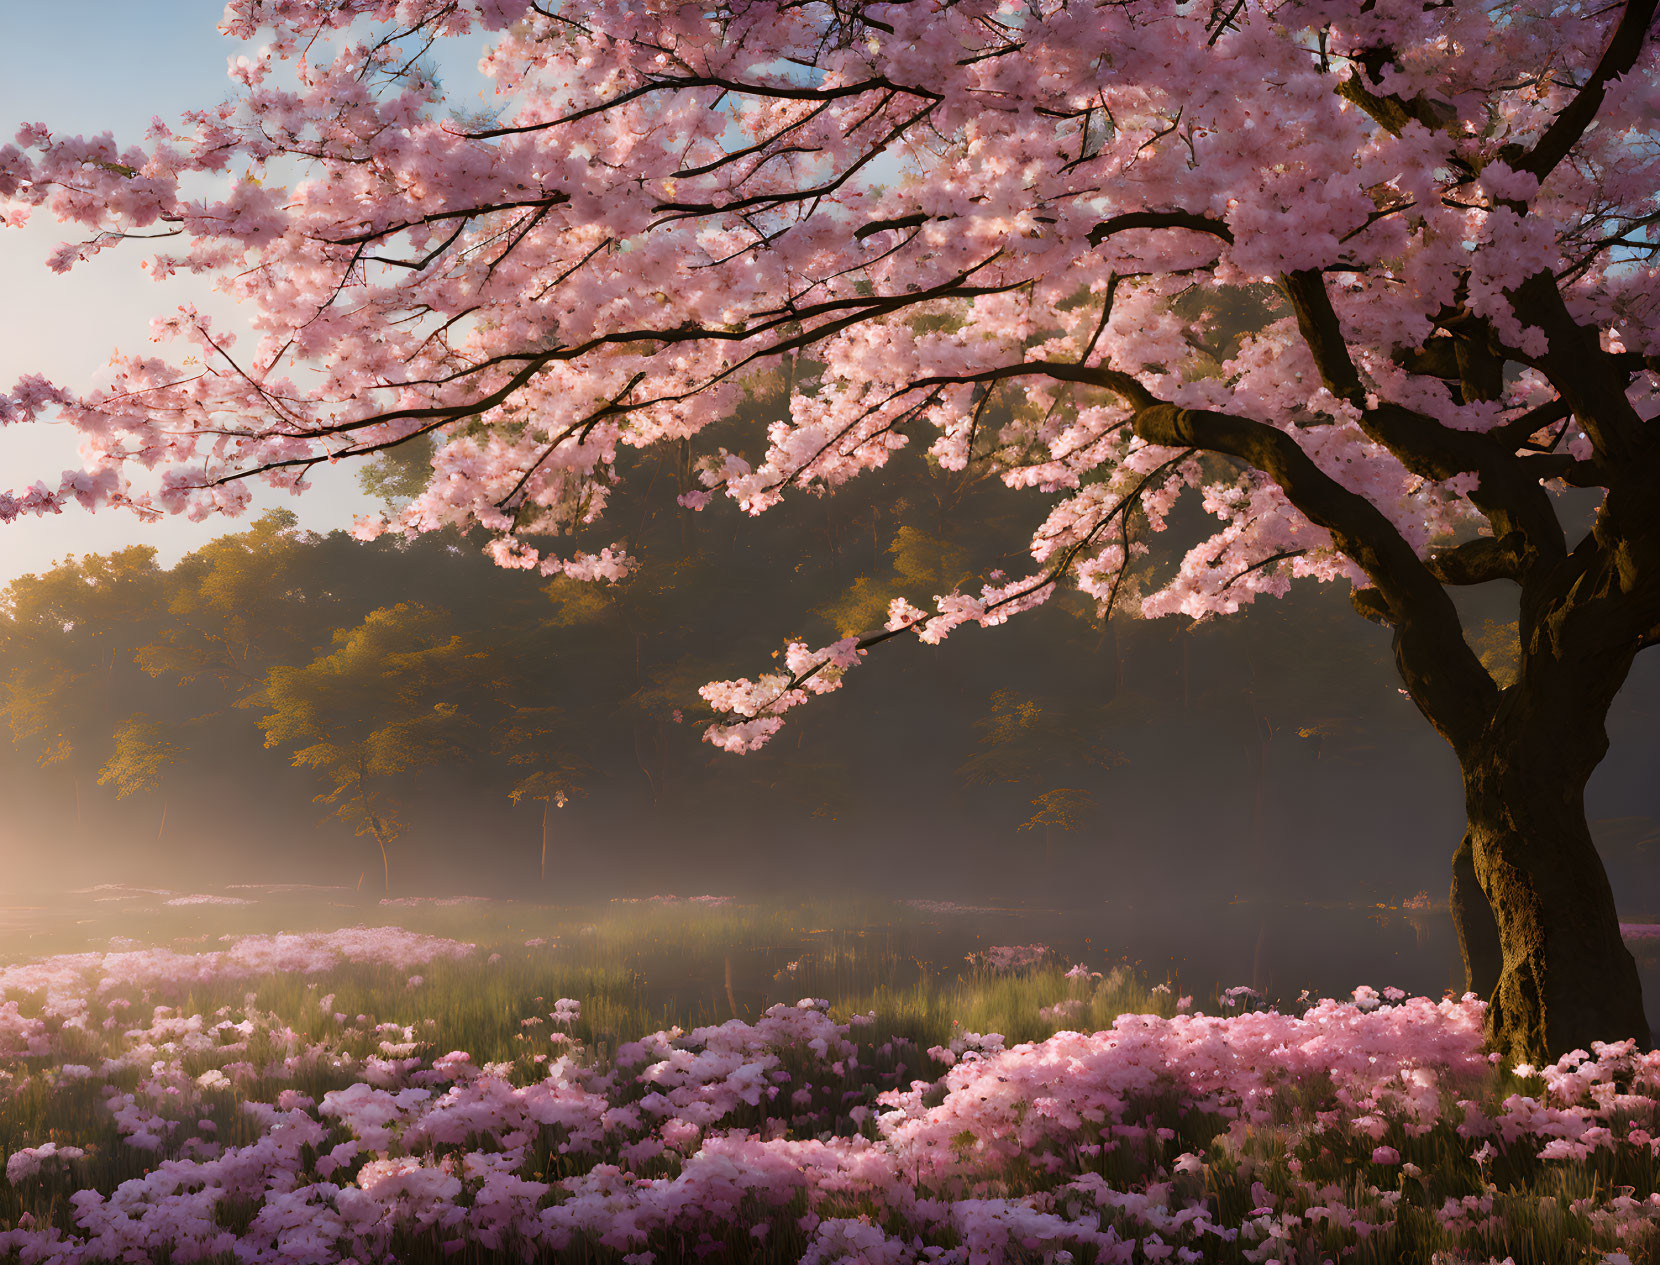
x: 293, y: 1078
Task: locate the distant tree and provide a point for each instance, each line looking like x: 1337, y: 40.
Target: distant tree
x: 1446, y: 214
x: 381, y: 704
x: 143, y: 753
x: 398, y: 475
x: 532, y: 742
x: 1025, y: 739
x: 63, y: 638
x: 921, y: 562
x: 1035, y: 744
x: 1065, y: 808
x: 237, y: 605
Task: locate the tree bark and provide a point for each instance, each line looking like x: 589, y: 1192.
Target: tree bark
x: 1565, y: 978
x: 1478, y: 934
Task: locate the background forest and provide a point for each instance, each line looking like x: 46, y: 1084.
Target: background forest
x: 456, y: 727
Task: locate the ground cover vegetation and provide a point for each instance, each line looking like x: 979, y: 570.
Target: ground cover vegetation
x: 1438, y: 221
x: 492, y: 1081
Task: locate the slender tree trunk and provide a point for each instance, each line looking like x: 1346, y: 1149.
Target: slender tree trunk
x: 1259, y: 959
x: 385, y: 866
x: 1565, y: 978
x: 643, y: 765
x: 162, y: 825
x: 547, y: 806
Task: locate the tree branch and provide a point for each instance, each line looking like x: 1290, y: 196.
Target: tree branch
x: 1625, y: 44
x: 1590, y: 379
x: 1507, y: 494
x: 1517, y: 432
x: 1159, y: 219
x: 1480, y: 560
x: 1444, y: 676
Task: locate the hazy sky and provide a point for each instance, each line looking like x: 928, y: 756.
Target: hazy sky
x: 90, y: 66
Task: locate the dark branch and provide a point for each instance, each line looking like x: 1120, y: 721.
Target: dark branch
x: 1506, y: 493
x: 1444, y: 676
x: 1517, y: 432
x: 1159, y: 219
x: 557, y: 198
x: 1478, y: 561
x: 1624, y: 46
x: 881, y: 226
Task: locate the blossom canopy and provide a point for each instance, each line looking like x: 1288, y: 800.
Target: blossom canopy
x: 1020, y: 234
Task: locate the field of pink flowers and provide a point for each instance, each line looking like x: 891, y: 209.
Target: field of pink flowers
x: 382, y: 1094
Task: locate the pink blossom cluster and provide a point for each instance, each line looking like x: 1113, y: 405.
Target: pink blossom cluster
x: 435, y: 902
x: 208, y: 899
x: 27, y: 1161
x: 812, y: 1138
x: 65, y: 980
x: 1012, y: 957
x: 948, y: 907
x: 703, y: 902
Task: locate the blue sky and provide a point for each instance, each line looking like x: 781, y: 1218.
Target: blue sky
x: 91, y: 66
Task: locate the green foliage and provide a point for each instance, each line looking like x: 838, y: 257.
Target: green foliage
x: 63, y: 635
x: 142, y: 754
x: 380, y: 704
x: 577, y: 604
x: 236, y: 605
x: 1064, y: 808
x: 397, y: 475
x: 532, y: 742
x: 924, y: 566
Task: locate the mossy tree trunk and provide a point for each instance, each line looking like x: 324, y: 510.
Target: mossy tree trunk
x: 1564, y: 977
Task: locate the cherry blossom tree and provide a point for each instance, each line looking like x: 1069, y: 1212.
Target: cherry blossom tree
x: 1015, y: 232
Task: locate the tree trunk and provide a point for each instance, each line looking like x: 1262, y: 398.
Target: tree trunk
x: 1259, y: 959
x: 546, y: 806
x: 1478, y: 934
x: 385, y: 865
x: 1566, y: 978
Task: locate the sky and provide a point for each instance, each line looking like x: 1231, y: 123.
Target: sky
x: 130, y: 62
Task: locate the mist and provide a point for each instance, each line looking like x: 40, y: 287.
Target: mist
x: 1251, y: 799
